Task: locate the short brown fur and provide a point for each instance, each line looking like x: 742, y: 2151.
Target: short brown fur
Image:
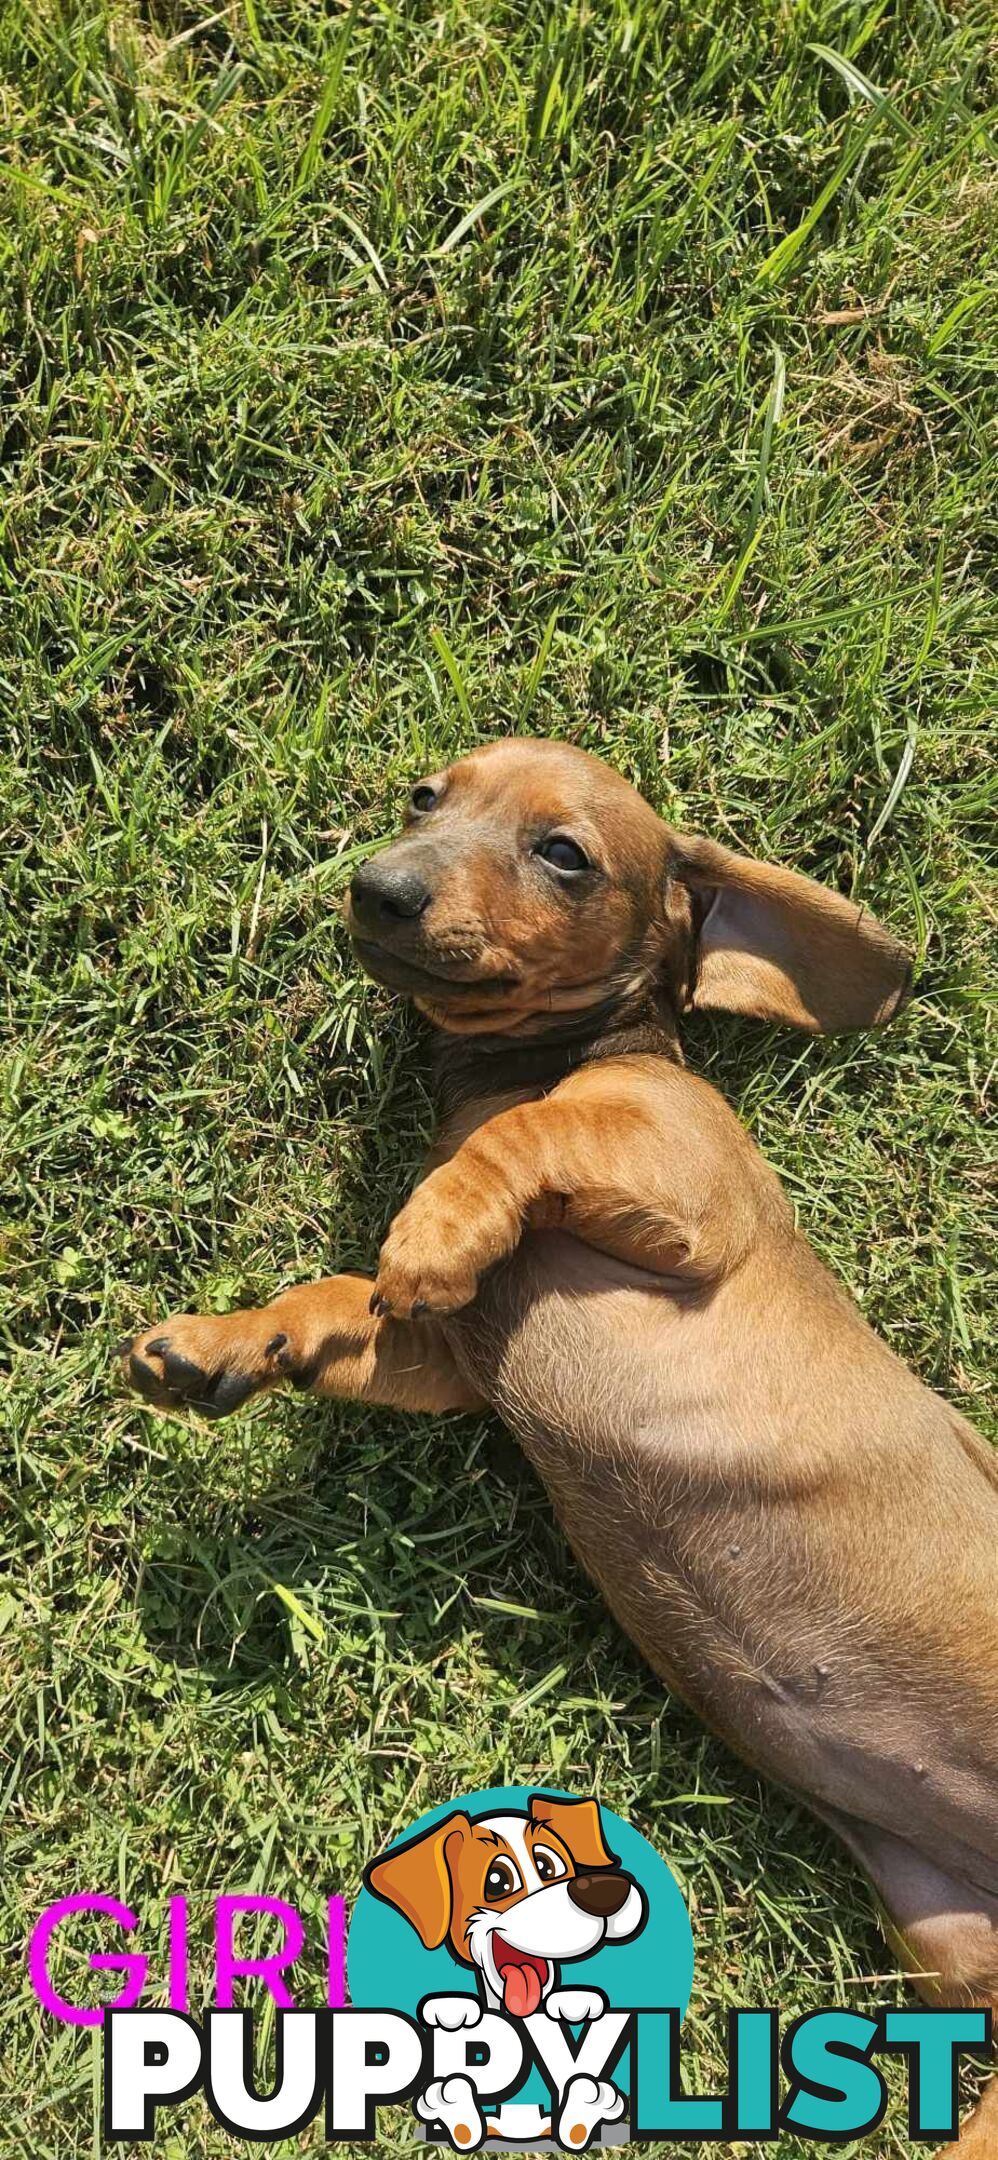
x: 801, y: 1538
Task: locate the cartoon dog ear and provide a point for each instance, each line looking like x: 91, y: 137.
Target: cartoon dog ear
x: 778, y: 946
x: 418, y: 1880
x: 579, y: 1825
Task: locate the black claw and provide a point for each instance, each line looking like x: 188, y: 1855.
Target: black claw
x: 420, y: 1306
x: 276, y: 1343
x: 159, y: 1347
x: 180, y: 1373
x: 178, y: 1382
x: 375, y: 1303
x: 148, y: 1382
x: 122, y: 1348
x: 227, y: 1395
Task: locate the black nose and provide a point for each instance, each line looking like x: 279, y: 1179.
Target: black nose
x: 381, y: 891
x: 600, y: 1895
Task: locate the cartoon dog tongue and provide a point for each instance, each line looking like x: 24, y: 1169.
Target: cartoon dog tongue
x: 521, y: 1990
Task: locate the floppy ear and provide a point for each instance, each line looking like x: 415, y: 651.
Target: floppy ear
x: 417, y: 1878
x: 579, y: 1825
x: 782, y: 948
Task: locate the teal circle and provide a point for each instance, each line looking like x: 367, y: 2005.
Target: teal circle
x: 388, y: 1967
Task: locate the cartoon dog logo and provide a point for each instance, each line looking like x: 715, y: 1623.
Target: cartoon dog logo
x: 515, y: 1897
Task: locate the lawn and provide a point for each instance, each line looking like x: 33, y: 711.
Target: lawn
x: 376, y: 382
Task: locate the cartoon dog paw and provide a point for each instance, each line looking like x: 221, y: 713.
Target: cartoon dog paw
x: 450, y: 2012
x: 587, y: 2103
x: 575, y: 2006
x: 452, y: 2102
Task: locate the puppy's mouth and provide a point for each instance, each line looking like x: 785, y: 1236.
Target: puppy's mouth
x: 400, y: 972
x: 522, y: 1977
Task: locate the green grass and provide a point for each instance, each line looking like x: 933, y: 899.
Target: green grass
x: 375, y: 383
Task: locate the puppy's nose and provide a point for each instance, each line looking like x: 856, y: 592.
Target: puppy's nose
x: 381, y: 891
x: 600, y: 1895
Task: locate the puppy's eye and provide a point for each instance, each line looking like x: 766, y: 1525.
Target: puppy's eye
x: 501, y: 1881
x: 562, y: 854
x: 423, y: 797
x: 550, y: 1865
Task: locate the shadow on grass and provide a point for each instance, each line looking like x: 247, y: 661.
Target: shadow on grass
x: 240, y: 1571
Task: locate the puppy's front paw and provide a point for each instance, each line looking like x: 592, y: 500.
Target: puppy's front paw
x: 412, y: 1280
x: 439, y: 1246
x: 210, y: 1363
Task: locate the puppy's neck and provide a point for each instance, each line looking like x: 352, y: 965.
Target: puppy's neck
x: 468, y: 1068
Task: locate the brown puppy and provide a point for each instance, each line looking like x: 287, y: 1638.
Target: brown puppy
x: 800, y: 1537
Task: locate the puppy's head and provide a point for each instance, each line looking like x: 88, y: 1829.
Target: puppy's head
x: 514, y: 1896
x: 532, y: 884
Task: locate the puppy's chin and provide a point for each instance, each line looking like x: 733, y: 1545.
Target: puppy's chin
x: 512, y: 1012
x: 460, y: 1019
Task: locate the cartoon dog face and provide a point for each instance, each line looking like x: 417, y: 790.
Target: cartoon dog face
x: 514, y: 1896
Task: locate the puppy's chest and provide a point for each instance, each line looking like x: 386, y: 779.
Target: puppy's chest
x: 563, y: 1340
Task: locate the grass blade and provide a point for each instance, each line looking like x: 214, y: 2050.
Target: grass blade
x: 860, y: 86
x: 771, y: 421
x: 538, y: 665
x: 327, y: 103
x: 457, y: 679
x: 778, y: 264
x: 471, y: 217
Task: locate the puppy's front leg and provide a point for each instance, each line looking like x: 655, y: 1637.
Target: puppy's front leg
x: 320, y: 1336
x: 633, y: 1156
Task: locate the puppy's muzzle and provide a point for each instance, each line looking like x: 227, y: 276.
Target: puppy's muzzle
x: 600, y: 1895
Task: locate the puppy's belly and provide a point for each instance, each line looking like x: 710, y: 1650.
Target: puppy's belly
x: 550, y: 1323
x: 782, y: 1584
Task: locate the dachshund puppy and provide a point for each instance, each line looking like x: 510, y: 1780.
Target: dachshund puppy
x: 800, y: 1537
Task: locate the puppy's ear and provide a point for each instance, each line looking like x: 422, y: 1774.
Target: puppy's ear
x: 579, y: 1825
x: 417, y: 1878
x: 782, y: 948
